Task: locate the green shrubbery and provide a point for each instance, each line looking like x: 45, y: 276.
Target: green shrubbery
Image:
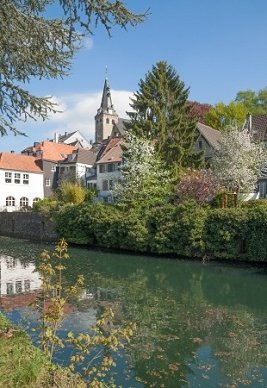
x: 184, y: 230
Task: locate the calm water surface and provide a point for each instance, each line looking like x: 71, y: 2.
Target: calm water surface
x: 197, y: 325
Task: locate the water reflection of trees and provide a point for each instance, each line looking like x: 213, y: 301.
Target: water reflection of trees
x: 174, y: 322
x: 180, y: 309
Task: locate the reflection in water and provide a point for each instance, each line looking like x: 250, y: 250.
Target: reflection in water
x: 196, y: 325
x: 19, y: 284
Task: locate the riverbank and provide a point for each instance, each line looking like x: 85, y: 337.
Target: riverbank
x: 24, y: 365
x: 186, y: 230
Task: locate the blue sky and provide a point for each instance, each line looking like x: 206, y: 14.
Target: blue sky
x: 217, y: 47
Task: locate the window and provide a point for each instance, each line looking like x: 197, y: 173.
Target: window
x: 111, y: 185
x: 62, y: 170
x: 9, y: 289
x: 10, y: 201
x: 36, y: 199
x: 113, y: 121
x: 53, y: 167
x: 107, y: 121
x: 17, y: 178
x: 27, y: 285
x: 200, y: 144
x: 24, y: 201
x: 18, y: 287
x: 105, y: 186
x: 10, y: 263
x: 47, y: 183
x: 102, y: 168
x: 8, y: 177
x: 25, y: 179
x: 111, y: 167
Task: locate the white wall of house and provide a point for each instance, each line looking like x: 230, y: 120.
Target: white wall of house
x: 17, y: 277
x: 106, y: 179
x: 29, y: 185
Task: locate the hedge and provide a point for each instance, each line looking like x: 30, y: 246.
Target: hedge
x: 184, y: 230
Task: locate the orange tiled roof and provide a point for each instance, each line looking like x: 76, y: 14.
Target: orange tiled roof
x: 53, y: 151
x: 10, y: 161
x: 112, y: 152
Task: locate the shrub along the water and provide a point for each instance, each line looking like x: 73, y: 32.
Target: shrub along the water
x: 184, y: 230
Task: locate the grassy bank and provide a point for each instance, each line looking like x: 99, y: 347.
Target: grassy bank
x: 23, y: 365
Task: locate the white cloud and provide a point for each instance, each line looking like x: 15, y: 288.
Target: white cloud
x: 78, y: 112
x: 87, y: 43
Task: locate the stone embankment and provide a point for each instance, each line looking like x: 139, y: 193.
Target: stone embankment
x: 27, y: 225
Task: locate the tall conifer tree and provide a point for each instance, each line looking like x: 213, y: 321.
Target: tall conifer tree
x: 161, y: 113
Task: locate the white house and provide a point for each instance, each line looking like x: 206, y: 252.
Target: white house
x: 21, y: 181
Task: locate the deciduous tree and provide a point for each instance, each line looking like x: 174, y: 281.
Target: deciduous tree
x: 237, y: 162
x: 144, y: 178
x: 222, y: 115
x: 199, y: 185
x: 254, y: 102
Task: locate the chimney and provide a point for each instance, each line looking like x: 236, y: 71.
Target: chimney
x: 56, y: 137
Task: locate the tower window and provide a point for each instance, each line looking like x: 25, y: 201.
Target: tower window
x: 107, y: 121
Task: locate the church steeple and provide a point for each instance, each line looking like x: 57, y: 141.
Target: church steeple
x: 106, y: 115
x: 106, y: 102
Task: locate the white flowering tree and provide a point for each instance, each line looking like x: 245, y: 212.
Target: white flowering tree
x: 238, y: 160
x: 143, y: 175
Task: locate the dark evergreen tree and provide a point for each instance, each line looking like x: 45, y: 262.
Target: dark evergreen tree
x: 163, y: 115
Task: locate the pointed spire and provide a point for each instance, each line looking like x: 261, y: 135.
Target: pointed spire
x: 106, y: 102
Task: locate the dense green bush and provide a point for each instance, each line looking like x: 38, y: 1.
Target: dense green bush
x: 254, y: 203
x: 256, y: 239
x: 133, y: 231
x: 177, y: 229
x: 46, y: 206
x: 75, y: 224
x: 186, y: 230
x: 225, y: 231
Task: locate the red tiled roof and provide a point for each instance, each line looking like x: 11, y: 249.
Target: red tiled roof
x: 112, y: 152
x: 10, y: 161
x: 53, y: 151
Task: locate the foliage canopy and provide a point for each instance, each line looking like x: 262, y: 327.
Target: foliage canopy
x: 32, y: 45
x: 222, y: 115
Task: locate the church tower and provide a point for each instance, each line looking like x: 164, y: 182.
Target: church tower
x: 106, y: 115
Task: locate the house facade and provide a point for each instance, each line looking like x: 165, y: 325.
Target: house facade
x: 257, y: 126
x: 107, y: 168
x: 79, y: 165
x: 48, y: 155
x: 21, y: 181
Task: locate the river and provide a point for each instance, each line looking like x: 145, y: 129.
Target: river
x: 198, y: 325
